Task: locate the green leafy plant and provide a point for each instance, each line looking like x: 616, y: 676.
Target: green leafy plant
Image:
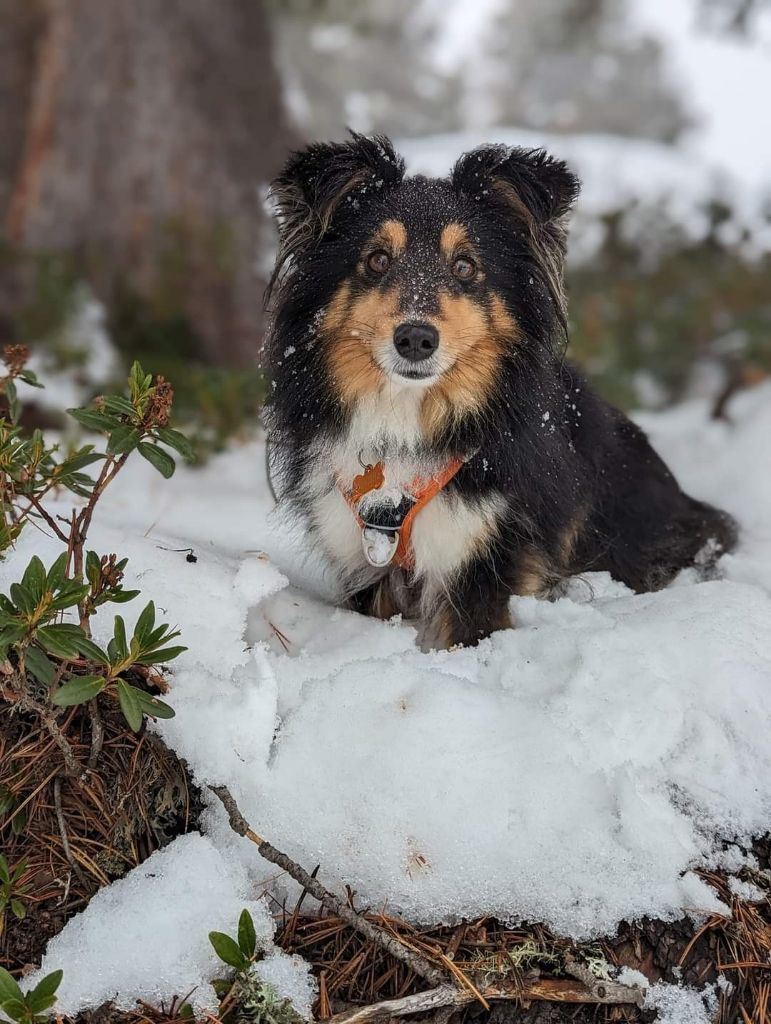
x: 12, y: 891
x: 241, y: 951
x: 52, y: 662
x: 149, y: 645
x: 244, y: 996
x: 28, y: 1007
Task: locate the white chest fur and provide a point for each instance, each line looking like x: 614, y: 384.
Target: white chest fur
x: 446, y: 533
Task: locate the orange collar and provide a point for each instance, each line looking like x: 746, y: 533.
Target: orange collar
x: 421, y: 491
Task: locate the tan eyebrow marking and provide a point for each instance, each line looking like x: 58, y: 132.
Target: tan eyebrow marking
x: 453, y: 237
x: 393, y: 235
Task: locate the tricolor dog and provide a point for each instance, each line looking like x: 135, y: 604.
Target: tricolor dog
x: 425, y: 424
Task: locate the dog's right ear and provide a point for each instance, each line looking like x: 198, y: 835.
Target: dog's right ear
x: 315, y: 182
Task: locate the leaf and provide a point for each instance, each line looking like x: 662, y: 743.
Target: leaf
x: 247, y: 938
x: 40, y: 666
x: 136, y: 376
x: 78, y: 690
x: 119, y: 404
x: 16, y: 1009
x: 5, y: 874
x: 176, y: 440
x: 151, y: 705
x: 78, y: 461
x: 121, y: 596
x: 9, y: 988
x: 18, y: 909
x: 130, y: 706
x: 91, y: 419
x: 124, y: 439
x: 157, y: 457
x: 22, y: 598
x: 30, y: 378
x: 91, y: 650
x: 70, y: 594
x: 145, y: 622
x: 119, y: 631
x: 43, y: 995
x: 19, y: 870
x: 19, y: 821
x: 12, y: 632
x: 57, y: 572
x: 227, y: 950
x: 13, y: 401
x: 34, y: 579
x: 156, y: 657
x: 58, y: 640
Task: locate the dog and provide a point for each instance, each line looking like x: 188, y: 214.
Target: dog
x: 423, y: 420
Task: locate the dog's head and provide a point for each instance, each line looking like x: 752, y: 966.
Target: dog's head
x: 422, y: 283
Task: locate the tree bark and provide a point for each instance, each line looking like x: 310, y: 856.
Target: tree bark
x: 137, y: 137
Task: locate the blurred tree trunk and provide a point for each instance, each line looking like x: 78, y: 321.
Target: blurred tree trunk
x: 136, y: 137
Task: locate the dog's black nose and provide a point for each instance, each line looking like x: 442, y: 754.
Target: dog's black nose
x: 416, y: 341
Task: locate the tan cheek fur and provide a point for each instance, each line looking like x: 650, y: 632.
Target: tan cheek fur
x: 350, y: 328
x: 474, y: 338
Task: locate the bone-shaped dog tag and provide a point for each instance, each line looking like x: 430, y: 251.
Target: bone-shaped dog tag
x: 379, y: 546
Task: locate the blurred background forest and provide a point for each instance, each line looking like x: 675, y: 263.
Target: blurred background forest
x: 137, y: 138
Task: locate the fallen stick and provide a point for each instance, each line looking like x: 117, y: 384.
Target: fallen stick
x: 604, y: 989
x: 380, y: 936
x: 63, y: 831
x: 551, y: 990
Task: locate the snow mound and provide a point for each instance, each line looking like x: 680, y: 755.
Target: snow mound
x: 146, y: 935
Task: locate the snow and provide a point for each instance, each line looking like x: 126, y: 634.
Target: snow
x: 676, y: 1004
x: 146, y: 935
x: 574, y: 770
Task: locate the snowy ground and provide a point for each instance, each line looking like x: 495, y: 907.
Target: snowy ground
x: 571, y: 771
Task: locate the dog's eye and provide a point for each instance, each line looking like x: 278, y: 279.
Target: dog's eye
x: 464, y: 269
x: 378, y: 262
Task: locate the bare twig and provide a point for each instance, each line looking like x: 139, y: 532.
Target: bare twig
x: 51, y: 522
x: 63, y: 830
x: 604, y: 990
x: 552, y: 990
x: 97, y: 732
x: 420, y: 965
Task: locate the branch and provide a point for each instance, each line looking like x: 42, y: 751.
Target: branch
x: 97, y: 733
x: 35, y: 503
x: 417, y: 963
x: 545, y: 990
x: 63, y: 830
x: 604, y: 990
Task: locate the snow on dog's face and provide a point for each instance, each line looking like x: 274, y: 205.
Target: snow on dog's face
x: 422, y: 283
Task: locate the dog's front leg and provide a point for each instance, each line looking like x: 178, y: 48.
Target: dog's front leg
x: 476, y: 602
x: 474, y: 605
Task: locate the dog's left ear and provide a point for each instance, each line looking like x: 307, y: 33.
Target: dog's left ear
x: 540, y: 189
x: 534, y: 189
x: 310, y: 193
